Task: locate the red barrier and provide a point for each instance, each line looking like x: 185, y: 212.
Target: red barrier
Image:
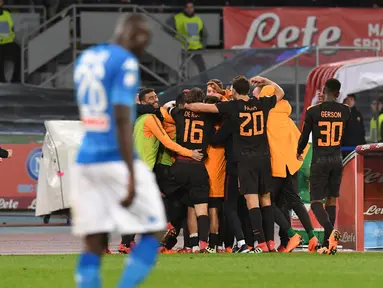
x: 19, y: 177
x: 361, y: 195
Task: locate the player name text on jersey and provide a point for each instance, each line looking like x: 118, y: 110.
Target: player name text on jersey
x: 250, y: 108
x: 191, y: 114
x: 330, y: 114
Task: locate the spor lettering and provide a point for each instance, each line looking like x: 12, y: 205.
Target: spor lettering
x: 374, y: 40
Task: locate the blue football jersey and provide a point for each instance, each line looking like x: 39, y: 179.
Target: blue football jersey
x: 104, y: 75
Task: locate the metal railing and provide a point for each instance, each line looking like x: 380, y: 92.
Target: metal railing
x: 69, y: 67
x: 74, y: 10
x: 313, y: 54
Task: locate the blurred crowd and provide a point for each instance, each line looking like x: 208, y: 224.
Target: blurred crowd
x: 259, y: 3
x: 356, y: 134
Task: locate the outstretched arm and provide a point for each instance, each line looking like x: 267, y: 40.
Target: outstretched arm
x: 202, y: 107
x: 155, y: 127
x: 278, y: 90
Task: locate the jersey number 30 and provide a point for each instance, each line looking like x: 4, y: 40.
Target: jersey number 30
x: 332, y: 132
x: 256, y: 118
x: 194, y: 130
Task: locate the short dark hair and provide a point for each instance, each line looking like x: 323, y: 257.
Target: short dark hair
x: 189, y: 2
x: 241, y: 85
x: 143, y: 92
x: 351, y: 96
x: 180, y: 100
x: 332, y: 85
x: 195, y: 95
x: 218, y: 82
x: 212, y: 100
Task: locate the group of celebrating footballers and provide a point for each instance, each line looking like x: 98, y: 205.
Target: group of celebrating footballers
x: 206, y: 152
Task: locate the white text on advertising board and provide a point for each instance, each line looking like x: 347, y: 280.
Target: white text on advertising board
x: 290, y: 35
x: 8, y: 204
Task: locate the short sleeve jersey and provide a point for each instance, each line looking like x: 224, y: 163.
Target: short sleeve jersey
x: 104, y: 75
x: 327, y: 121
x: 193, y: 130
x: 248, y: 121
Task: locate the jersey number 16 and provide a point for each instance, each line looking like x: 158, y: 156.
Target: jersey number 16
x: 194, y: 130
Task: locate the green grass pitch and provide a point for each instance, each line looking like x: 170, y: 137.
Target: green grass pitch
x: 211, y: 270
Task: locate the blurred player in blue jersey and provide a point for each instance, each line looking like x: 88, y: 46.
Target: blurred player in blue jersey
x: 112, y: 188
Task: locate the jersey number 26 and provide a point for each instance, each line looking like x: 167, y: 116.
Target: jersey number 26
x: 91, y: 94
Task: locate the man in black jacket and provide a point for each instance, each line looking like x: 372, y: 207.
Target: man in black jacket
x: 354, y: 134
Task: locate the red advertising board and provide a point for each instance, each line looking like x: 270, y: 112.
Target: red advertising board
x: 295, y: 27
x: 373, y: 189
x: 350, y: 205
x: 20, y: 174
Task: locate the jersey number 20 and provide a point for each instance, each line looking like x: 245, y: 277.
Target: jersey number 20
x: 194, y: 131
x: 332, y: 132
x: 256, y: 118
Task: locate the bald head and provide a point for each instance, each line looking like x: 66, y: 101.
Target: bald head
x: 132, y: 33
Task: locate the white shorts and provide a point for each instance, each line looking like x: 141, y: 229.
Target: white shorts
x: 96, y: 194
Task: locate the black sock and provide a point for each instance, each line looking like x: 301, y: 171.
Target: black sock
x: 172, y: 241
x: 222, y: 228
x: 246, y: 227
x: 193, y: 241
x: 213, y: 240
x: 256, y: 224
x: 177, y: 213
x: 284, y: 237
x: 126, y: 239
x: 268, y: 218
x: 323, y: 219
x: 186, y: 234
x: 203, y: 227
x: 234, y: 223
x: 280, y: 219
x: 165, y: 200
x: 301, y: 211
x: 331, y: 211
x: 243, y: 215
x: 283, y: 234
